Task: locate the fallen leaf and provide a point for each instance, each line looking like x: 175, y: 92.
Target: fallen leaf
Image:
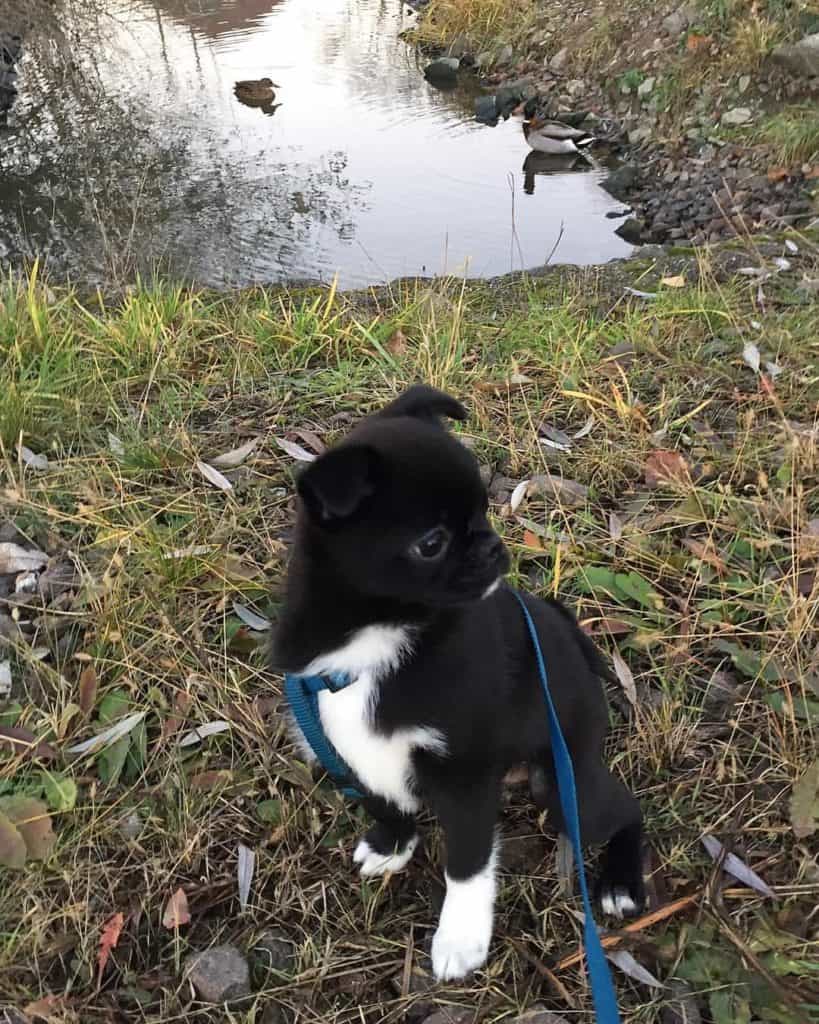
x: 201, y: 732
x: 246, y: 862
x: 638, y: 294
x: 585, y: 429
x: 781, y: 263
x: 777, y: 173
x: 213, y: 476
x: 31, y: 819
x: 750, y: 353
x: 14, y: 559
x: 295, y: 451
x: 192, y: 551
x: 30, y: 459
x: 705, y: 552
x: 571, y: 493
x: 108, y: 736
x: 88, y: 689
x: 396, y: 344
x: 678, y: 281
x: 61, y: 793
x: 518, y: 495
x: 311, y: 438
x: 12, y: 845
x: 23, y: 741
x: 774, y: 369
x: 251, y: 619
x: 606, y: 627
x: 664, y: 466
x: 45, y: 1008
x: 615, y: 526
x: 624, y: 674
x: 532, y: 541
x: 234, y: 458
x: 564, y: 864
x: 554, y: 437
x: 735, y: 867
x: 805, y: 803
x: 207, y: 781
x: 115, y: 445
x: 696, y: 42
x: 109, y: 938
x: 176, y: 911
x: 628, y: 965
x: 5, y: 679
x: 791, y: 246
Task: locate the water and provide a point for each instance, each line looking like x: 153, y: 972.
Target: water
x: 128, y: 147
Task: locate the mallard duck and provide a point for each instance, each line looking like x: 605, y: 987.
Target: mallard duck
x: 555, y: 137
x: 255, y: 90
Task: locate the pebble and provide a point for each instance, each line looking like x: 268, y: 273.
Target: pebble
x: 219, y: 975
x: 558, y: 62
x: 646, y: 87
x: 737, y: 116
x: 274, y: 951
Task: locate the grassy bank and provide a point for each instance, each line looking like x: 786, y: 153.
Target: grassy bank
x: 683, y: 526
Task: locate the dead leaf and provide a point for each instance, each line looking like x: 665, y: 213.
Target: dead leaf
x: 201, y: 732
x: 14, y: 559
x: 624, y: 674
x: 805, y: 803
x: 251, y: 619
x: 564, y: 865
x: 615, y: 526
x: 108, y: 941
x: 585, y: 429
x: 705, y: 552
x: 311, y: 438
x: 115, y: 445
x: 791, y: 246
x: 777, y: 173
x: 108, y: 736
x: 396, y: 344
x: 176, y: 911
x: 5, y: 679
x: 234, y: 458
x: 518, y: 495
x: 554, y: 437
x: 532, y: 541
x: 245, y: 865
x: 213, y: 476
x: 207, y: 781
x: 568, y: 492
x: 295, y: 451
x: 607, y: 627
x: 639, y: 294
x: 88, y: 689
x: 736, y: 867
x: 31, y: 819
x: 750, y: 353
x: 30, y: 459
x: 23, y: 741
x: 628, y: 965
x: 45, y: 1008
x: 696, y: 42
x: 678, y: 281
x: 665, y: 466
x: 12, y: 845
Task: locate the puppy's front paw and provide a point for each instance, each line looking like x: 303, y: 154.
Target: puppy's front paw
x: 459, y: 949
x: 374, y: 863
x: 618, y: 902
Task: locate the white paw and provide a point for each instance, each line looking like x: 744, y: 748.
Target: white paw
x: 618, y: 903
x: 457, y: 951
x: 373, y: 863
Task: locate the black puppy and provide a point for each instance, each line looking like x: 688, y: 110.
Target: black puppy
x: 396, y: 582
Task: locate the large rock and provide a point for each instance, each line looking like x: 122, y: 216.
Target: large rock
x: 219, y: 975
x: 443, y: 69
x: 800, y: 58
x: 631, y: 231
x: 678, y: 21
x: 558, y: 62
x: 274, y: 950
x: 619, y: 182
x: 737, y: 116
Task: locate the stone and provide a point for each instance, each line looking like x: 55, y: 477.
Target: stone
x: 443, y: 68
x: 484, y: 59
x: 620, y: 181
x: 646, y: 87
x: 558, y: 62
x: 744, y: 83
x: 638, y: 135
x: 736, y: 116
x: 10, y: 1015
x: 274, y: 951
x: 538, y: 1015
x: 505, y: 54
x: 677, y: 22
x: 219, y: 975
x: 800, y: 58
x: 631, y: 231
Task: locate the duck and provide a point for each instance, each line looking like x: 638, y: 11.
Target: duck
x: 555, y: 137
x: 256, y: 90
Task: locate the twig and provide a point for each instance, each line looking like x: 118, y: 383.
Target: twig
x: 544, y: 972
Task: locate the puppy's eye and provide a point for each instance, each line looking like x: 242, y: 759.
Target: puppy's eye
x: 431, y: 546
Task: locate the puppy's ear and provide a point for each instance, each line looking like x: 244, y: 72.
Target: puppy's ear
x: 335, y: 484
x: 425, y: 403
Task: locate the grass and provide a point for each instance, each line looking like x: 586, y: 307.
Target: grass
x: 481, y: 21
x: 707, y: 586
x: 794, y: 135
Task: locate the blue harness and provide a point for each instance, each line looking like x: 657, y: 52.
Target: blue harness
x: 302, y: 693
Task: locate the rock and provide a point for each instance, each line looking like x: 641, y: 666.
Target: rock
x: 274, y: 951
x: 576, y: 87
x: 631, y: 231
x: 219, y: 975
x: 538, y: 1015
x: 617, y: 214
x: 800, y: 58
x: 9, y: 1015
x: 677, y: 22
x: 484, y: 59
x: 620, y: 181
x: 744, y: 83
x: 638, y: 135
x: 505, y: 54
x: 558, y: 62
x: 443, y: 68
x: 646, y: 87
x: 737, y: 116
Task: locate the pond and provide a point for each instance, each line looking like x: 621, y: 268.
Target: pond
x: 127, y: 150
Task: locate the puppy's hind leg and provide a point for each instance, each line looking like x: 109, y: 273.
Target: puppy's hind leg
x: 390, y: 842
x: 609, y: 813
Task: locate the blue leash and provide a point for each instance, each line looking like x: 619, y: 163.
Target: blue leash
x: 602, y: 990
x: 302, y: 694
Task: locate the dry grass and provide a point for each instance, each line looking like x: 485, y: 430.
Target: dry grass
x: 719, y: 629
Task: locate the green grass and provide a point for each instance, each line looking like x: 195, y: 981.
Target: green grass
x: 794, y: 135
x: 710, y: 574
